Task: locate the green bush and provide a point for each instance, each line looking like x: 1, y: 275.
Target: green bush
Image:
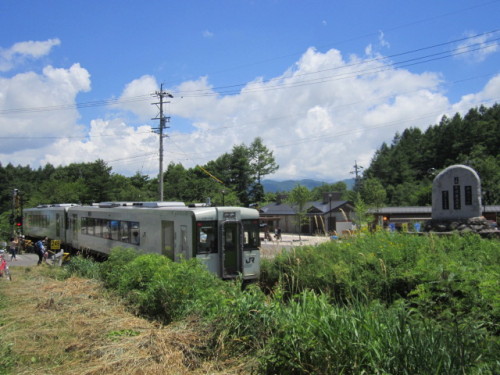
x: 166, y: 290
x: 83, y: 267
x: 112, y: 268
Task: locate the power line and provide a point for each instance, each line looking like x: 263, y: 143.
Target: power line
x: 217, y: 90
x: 349, y: 75
x: 69, y: 136
x: 96, y: 103
x: 320, y: 138
x: 230, y: 89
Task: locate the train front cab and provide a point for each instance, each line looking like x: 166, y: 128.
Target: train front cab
x: 229, y: 245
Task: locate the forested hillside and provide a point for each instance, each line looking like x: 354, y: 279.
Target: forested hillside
x: 232, y: 179
x: 401, y: 173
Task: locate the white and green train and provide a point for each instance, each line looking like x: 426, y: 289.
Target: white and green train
x: 225, y: 239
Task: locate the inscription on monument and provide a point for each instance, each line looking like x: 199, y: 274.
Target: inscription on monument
x: 465, y: 187
x: 468, y: 195
x: 445, y: 199
x: 456, y: 197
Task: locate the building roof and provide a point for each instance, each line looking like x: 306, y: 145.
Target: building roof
x: 491, y: 209
x: 401, y: 210
x: 277, y: 209
x: 416, y: 210
x: 311, y: 207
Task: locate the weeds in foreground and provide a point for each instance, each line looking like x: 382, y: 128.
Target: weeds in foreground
x: 374, y: 305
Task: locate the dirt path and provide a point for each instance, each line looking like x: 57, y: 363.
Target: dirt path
x: 74, y: 327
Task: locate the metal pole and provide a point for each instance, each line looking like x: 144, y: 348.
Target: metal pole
x: 163, y: 120
x: 162, y: 125
x: 330, y: 213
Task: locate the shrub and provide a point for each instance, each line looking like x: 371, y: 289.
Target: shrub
x: 166, y: 290
x: 112, y: 268
x: 83, y: 267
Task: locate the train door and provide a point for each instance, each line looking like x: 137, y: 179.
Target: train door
x: 74, y: 231
x: 58, y: 226
x: 231, y: 250
x: 167, y: 239
x: 184, y: 253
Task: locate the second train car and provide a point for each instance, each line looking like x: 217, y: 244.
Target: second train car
x: 225, y: 239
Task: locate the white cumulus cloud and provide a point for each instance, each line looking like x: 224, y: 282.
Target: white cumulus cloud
x: 477, y: 49
x: 30, y: 101
x: 19, y: 51
x: 318, y: 117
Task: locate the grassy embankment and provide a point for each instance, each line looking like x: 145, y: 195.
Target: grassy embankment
x: 382, y: 304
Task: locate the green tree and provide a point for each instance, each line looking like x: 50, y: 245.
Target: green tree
x: 403, y: 167
x: 261, y: 160
x: 340, y: 187
x: 362, y: 218
x: 57, y: 191
x: 241, y: 177
x: 298, y: 198
x: 373, y: 193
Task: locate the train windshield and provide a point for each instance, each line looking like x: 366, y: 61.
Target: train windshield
x: 251, y: 239
x: 206, y: 237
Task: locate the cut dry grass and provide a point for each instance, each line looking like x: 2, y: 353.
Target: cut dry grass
x: 76, y: 327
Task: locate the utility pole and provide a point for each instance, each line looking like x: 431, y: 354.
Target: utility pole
x: 357, y: 174
x: 163, y: 120
x: 16, y: 217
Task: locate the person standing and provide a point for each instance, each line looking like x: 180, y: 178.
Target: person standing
x: 13, y: 248
x: 40, y: 249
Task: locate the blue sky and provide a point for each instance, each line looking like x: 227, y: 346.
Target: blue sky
x: 324, y: 83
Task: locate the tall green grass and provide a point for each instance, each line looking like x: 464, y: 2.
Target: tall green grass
x: 312, y: 336
x: 7, y: 357
x: 382, y: 304
x: 439, y: 274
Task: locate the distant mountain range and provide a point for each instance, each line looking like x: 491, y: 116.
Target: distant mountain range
x: 272, y: 186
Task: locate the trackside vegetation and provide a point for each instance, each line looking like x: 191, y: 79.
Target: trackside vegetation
x: 384, y: 303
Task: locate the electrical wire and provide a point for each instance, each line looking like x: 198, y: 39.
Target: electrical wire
x: 279, y: 84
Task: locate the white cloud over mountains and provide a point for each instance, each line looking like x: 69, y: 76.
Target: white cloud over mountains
x: 319, y: 117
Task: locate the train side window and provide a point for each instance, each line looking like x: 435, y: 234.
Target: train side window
x: 124, y: 231
x: 90, y: 226
x: 136, y: 233
x: 58, y: 225
x: 184, y: 242
x: 114, y: 230
x: 74, y: 222
x: 106, y: 226
x: 83, y: 223
x: 98, y: 227
x: 206, y: 237
x: 251, y: 234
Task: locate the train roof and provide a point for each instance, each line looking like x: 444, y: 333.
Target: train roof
x: 200, y: 210
x: 55, y: 206
x: 140, y: 204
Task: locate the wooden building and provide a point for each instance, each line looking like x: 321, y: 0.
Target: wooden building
x: 322, y: 217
